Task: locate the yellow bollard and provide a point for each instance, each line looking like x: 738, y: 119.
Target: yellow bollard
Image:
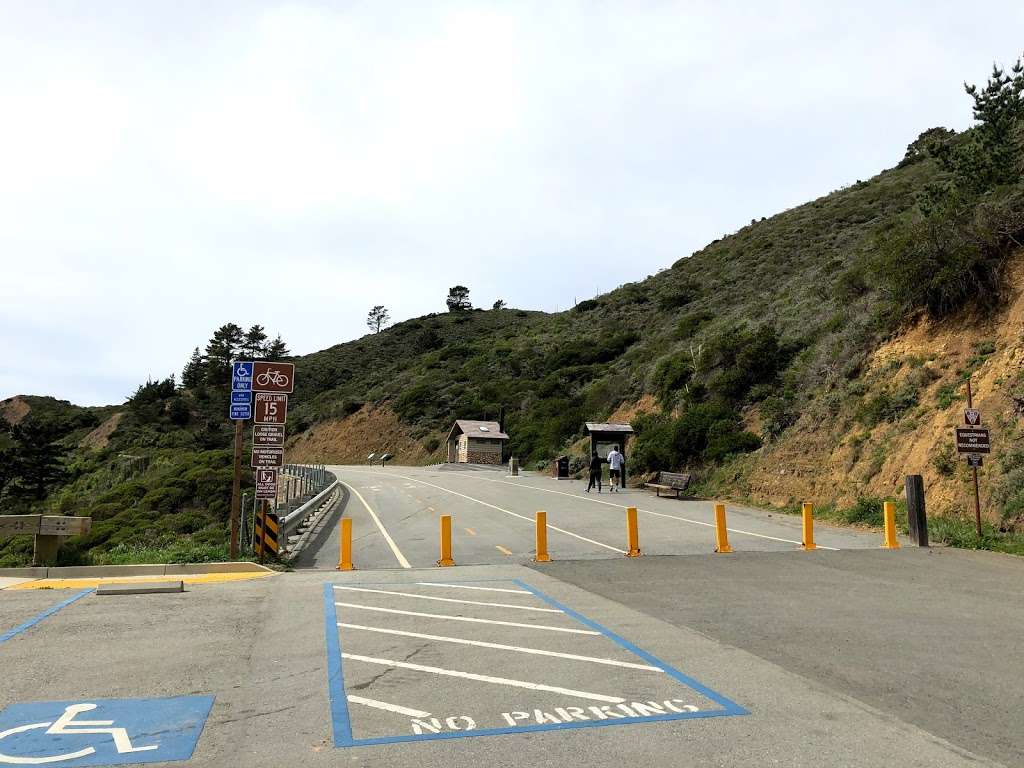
x: 446, y: 542
x: 809, y: 528
x: 345, y: 563
x: 633, y: 532
x: 542, y: 539
x: 889, y: 516
x: 721, y: 532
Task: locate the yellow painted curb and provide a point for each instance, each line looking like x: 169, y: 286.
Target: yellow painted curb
x: 199, y: 578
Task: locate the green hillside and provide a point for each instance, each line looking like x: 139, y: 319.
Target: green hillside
x: 776, y: 320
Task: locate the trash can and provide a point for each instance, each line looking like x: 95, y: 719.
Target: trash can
x: 560, y: 469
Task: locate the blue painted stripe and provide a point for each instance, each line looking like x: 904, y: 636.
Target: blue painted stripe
x: 731, y: 707
x: 545, y: 727
x: 340, y: 720
x: 39, y: 617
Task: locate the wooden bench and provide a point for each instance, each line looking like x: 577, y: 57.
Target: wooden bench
x: 670, y: 481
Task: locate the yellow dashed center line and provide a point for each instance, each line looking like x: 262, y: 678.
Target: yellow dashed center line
x: 502, y: 549
x: 471, y: 532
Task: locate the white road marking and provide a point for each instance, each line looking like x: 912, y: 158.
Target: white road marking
x: 649, y: 512
x: 504, y: 550
x: 383, y: 531
x: 388, y: 707
x: 502, y: 647
x: 471, y: 619
x: 449, y: 599
x: 466, y: 586
x: 485, y: 678
x: 530, y: 520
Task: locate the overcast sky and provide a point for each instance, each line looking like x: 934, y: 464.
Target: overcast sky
x: 166, y: 167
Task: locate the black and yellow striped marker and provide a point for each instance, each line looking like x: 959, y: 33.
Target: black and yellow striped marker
x: 266, y: 534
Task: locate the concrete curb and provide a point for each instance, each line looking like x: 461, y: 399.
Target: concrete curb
x: 171, y: 569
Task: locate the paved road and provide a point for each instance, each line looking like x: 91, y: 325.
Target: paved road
x: 406, y: 668
x: 493, y: 520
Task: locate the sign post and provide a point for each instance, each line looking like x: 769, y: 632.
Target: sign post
x: 271, y: 382
x: 973, y: 440
x: 241, y: 410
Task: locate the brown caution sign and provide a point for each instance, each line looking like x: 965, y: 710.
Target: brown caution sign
x: 972, y: 440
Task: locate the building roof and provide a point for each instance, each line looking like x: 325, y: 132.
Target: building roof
x: 594, y: 426
x: 479, y: 429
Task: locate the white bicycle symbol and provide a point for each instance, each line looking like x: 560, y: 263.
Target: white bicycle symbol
x: 276, y: 378
x: 66, y: 725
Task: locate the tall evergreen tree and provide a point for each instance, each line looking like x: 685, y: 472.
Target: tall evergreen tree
x: 254, y: 346
x: 377, y: 318
x: 277, y: 350
x: 458, y: 299
x: 222, y: 349
x: 39, y: 461
x: 194, y: 374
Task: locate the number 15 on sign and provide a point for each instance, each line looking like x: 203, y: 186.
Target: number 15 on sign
x: 270, y: 408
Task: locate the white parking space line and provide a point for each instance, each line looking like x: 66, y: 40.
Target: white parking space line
x: 449, y: 599
x: 471, y: 619
x: 388, y: 707
x: 485, y: 678
x: 503, y: 647
x: 648, y: 512
x: 466, y: 586
x: 530, y: 520
x: 383, y: 531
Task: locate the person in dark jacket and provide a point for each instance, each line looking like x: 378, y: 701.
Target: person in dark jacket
x: 595, y: 472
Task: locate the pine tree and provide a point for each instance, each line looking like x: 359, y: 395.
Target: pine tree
x: 254, y: 346
x: 39, y: 461
x: 222, y: 349
x: 377, y: 318
x: 458, y: 299
x: 277, y: 350
x: 194, y: 374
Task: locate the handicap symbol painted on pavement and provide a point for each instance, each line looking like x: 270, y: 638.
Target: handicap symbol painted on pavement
x: 102, y: 731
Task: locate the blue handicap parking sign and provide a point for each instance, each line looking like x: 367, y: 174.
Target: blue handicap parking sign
x: 241, y: 397
x: 102, y: 731
x: 241, y: 411
x: 241, y: 377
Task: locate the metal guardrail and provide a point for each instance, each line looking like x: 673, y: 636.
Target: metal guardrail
x: 289, y: 523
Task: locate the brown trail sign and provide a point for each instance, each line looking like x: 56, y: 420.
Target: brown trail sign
x: 267, y: 457
x: 268, y: 435
x: 273, y: 377
x: 972, y: 440
x: 266, y: 483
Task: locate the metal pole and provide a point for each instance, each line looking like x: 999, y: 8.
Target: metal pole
x: 236, y: 489
x: 974, y: 470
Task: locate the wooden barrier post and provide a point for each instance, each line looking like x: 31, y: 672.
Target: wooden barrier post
x: 721, y: 532
x: 542, y: 539
x: 917, y: 518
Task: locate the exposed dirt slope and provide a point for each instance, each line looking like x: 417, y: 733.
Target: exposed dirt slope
x: 835, y: 460
x: 14, y: 409
x: 99, y: 438
x: 351, y: 439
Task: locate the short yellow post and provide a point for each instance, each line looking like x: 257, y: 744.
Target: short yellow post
x: 721, y: 532
x: 446, y: 542
x: 889, y: 516
x: 809, y: 528
x: 633, y: 531
x: 345, y: 563
x: 542, y: 539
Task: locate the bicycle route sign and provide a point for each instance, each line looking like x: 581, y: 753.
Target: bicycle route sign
x: 273, y: 377
x: 102, y: 731
x: 270, y: 408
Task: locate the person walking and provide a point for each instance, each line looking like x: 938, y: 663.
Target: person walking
x: 615, y: 461
x: 595, y: 472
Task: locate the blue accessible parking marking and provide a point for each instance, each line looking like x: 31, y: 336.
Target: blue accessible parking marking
x: 102, y: 731
x: 430, y: 660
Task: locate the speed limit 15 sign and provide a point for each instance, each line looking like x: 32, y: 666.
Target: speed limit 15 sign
x: 270, y: 408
